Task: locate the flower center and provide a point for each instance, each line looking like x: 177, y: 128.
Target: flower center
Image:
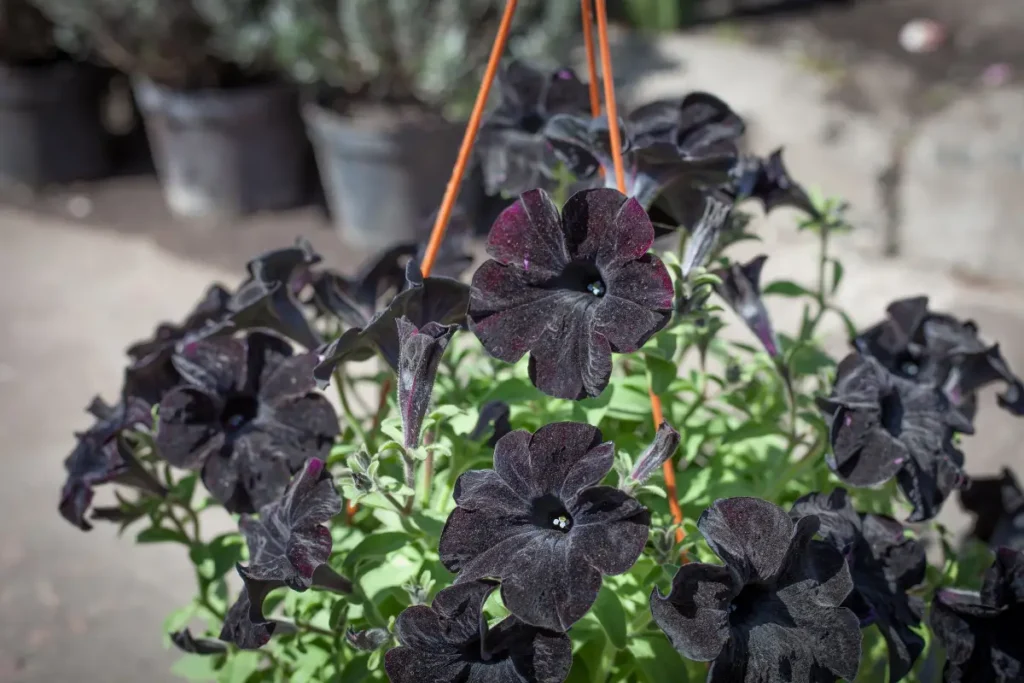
x: 531, y: 122
x: 239, y: 410
x: 549, y: 513
x: 756, y: 604
x: 581, y: 276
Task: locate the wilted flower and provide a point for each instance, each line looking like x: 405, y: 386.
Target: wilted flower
x: 289, y: 544
x: 981, y: 632
x: 768, y: 181
x: 246, y: 415
x: 420, y: 354
x: 570, y: 289
x: 884, y: 563
x: 151, y: 373
x: 774, y: 612
x: 101, y: 457
x: 741, y: 289
x: 451, y: 642
x: 493, y: 420
x: 186, y: 642
x: 998, y: 506
x: 706, y: 232
x: 440, y: 300
x: 938, y: 349
x: 514, y: 155
x: 541, y: 524
x: 689, y: 142
x: 882, y: 426
x: 664, y: 446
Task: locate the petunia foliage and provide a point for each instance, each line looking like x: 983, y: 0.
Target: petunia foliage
x: 568, y: 444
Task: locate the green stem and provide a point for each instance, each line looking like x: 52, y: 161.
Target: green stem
x: 339, y: 381
x: 194, y: 543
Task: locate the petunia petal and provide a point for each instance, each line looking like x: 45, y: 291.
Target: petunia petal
x: 303, y: 428
x: 240, y: 630
x: 513, y: 463
x: 566, y: 457
x: 289, y: 379
x: 475, y: 540
x: 529, y: 234
x: 751, y: 535
x: 406, y: 665
x: 607, y: 228
x: 216, y: 365
x: 610, y: 528
x: 486, y: 490
x: 574, y: 360
x: 189, y: 429
x: 695, y: 613
x: 420, y: 355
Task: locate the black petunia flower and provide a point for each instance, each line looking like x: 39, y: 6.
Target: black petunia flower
x: 451, y: 642
x: 246, y: 415
x: 289, y: 544
x: 268, y: 298
x: 570, y: 289
x: 514, y: 155
x: 494, y: 421
x: 151, y: 373
x: 243, y: 632
x: 883, y: 426
x: 768, y: 181
x: 439, y: 300
x: 884, y: 563
x: 541, y: 524
x: 982, y: 632
x: 665, y: 144
x: 102, y: 457
x: 421, y: 351
x: 741, y: 289
x: 774, y: 612
x: 938, y: 349
x: 998, y: 507
x: 353, y: 300
x: 186, y: 642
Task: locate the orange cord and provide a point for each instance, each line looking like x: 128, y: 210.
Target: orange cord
x: 588, y: 41
x: 620, y: 179
x: 472, y: 128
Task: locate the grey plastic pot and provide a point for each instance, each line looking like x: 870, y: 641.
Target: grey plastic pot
x: 51, y: 125
x: 382, y: 177
x: 225, y: 153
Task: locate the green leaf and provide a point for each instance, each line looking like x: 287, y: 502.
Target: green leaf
x: 694, y: 487
x: 179, y: 618
x: 608, y: 610
x: 196, y: 668
x: 660, y: 373
x: 225, y: 551
x: 750, y: 430
x: 184, y: 488
x: 586, y: 663
x: 239, y: 667
x: 786, y: 288
x: 657, y: 661
x: 159, y: 534
x: 837, y: 274
x: 375, y: 547
x: 515, y: 390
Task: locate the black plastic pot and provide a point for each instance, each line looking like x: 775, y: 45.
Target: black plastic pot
x: 51, y: 126
x: 383, y: 176
x: 226, y: 153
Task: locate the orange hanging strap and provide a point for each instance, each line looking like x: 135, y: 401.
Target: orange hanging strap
x: 472, y: 128
x: 620, y: 180
x: 587, y: 10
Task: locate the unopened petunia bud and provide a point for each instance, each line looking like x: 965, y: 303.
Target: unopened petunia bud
x: 665, y: 443
x: 419, y: 355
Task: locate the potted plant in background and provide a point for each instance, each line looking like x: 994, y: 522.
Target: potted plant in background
x: 50, y: 105
x: 225, y: 131
x: 392, y: 81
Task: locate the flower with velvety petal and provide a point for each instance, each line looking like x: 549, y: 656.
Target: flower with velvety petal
x: 741, y: 289
x: 101, y: 457
x: 288, y: 543
x: 541, y: 523
x: 514, y: 156
x: 883, y: 426
x: 981, y: 632
x: 451, y: 642
x: 246, y: 633
x: 439, y: 300
x: 884, y: 563
x: 997, y: 504
x: 941, y: 350
x: 245, y: 415
x: 353, y: 300
x: 768, y: 181
x: 570, y: 289
x: 774, y: 612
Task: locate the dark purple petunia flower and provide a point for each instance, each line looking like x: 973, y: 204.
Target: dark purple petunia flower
x: 741, y: 289
x: 245, y: 633
x: 883, y: 426
x: 768, y: 181
x: 151, y: 373
x: 981, y: 632
x: 997, y: 504
x: 514, y: 155
x: 289, y: 544
x: 541, y: 524
x: 246, y: 415
x: 102, y: 457
x: 420, y: 354
x: 666, y: 145
x: 186, y: 642
x: 268, y: 298
x: 570, y: 289
x: 493, y: 421
x: 451, y: 642
x: 938, y: 349
x: 884, y: 563
x: 353, y: 300
x: 774, y: 612
x: 440, y: 300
